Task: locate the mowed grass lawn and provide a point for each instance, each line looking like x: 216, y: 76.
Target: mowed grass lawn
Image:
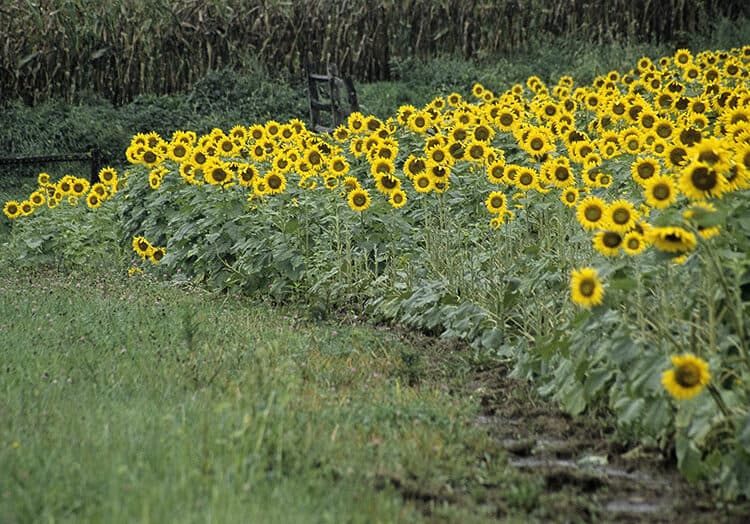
x: 123, y: 399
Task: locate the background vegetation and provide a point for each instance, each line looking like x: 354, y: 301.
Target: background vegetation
x: 123, y: 48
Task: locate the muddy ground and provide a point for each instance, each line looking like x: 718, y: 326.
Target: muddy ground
x: 582, y: 471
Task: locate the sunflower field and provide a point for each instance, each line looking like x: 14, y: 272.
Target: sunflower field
x: 596, y: 237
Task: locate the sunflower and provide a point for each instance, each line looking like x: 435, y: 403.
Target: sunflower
x: 414, y: 165
x: 697, y: 215
x: 560, y: 173
x: 496, y: 172
x: 699, y: 181
x: 482, y: 133
x: 527, y: 179
x: 590, y: 212
x: 157, y: 254
x: 338, y: 165
x: 456, y: 151
x: 397, y: 198
x: 647, y: 119
x: 496, y: 202
x: 423, y: 182
x: 93, y: 200
x: 675, y: 156
x: 608, y: 242
x: 154, y: 178
x: 672, y: 239
x: 687, y: 377
x: 12, y: 209
x: 631, y: 141
x: 142, y: 247
x: 644, y: 168
x: 586, y: 289
x: 569, y: 196
x: 537, y: 142
x: 382, y: 167
x: 660, y: 191
x: 38, y: 198
x: 476, y: 151
x: 682, y: 58
x: 419, y: 121
x: 246, y: 174
x: 275, y: 182
x: 507, y: 119
x: 100, y: 189
x: 387, y: 184
x: 633, y: 243
x: 439, y: 154
x: 358, y: 199
x: 217, y: 173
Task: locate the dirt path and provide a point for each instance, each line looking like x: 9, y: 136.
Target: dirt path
x: 587, y: 476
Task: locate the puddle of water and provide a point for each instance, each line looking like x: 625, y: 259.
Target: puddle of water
x: 633, y: 507
x: 603, y: 470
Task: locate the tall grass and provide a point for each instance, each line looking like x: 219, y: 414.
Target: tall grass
x: 124, y: 48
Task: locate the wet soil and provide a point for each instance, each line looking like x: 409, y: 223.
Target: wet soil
x: 588, y: 475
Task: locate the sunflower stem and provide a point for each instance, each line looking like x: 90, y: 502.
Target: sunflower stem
x: 720, y: 403
x: 731, y: 298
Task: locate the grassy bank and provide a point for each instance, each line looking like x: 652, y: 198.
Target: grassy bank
x: 127, y: 400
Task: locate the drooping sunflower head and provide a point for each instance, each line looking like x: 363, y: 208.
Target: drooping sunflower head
x: 672, y: 239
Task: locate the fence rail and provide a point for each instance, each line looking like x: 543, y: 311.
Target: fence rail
x: 94, y: 158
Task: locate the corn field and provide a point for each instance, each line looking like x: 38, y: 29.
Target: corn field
x: 122, y: 48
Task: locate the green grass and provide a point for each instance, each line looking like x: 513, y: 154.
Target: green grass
x: 126, y: 400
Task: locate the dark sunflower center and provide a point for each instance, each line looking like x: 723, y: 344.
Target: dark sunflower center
x: 149, y: 157
x: 703, y: 178
x: 416, y: 165
x: 687, y: 375
x: 645, y: 170
x: 497, y: 172
x: 634, y: 243
x: 423, y: 182
x: 506, y: 119
x: 621, y: 216
x: 593, y: 213
x: 438, y: 155
x: 587, y: 287
x: 537, y: 144
x: 481, y: 133
x: 709, y: 157
x: 661, y: 192
x: 526, y: 179
x: 389, y: 182
x: 274, y: 182
x: 359, y: 200
x: 677, y: 156
x: 611, y: 239
x: 663, y: 130
x: 496, y: 202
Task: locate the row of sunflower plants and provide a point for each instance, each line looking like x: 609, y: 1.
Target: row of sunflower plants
x: 596, y: 236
